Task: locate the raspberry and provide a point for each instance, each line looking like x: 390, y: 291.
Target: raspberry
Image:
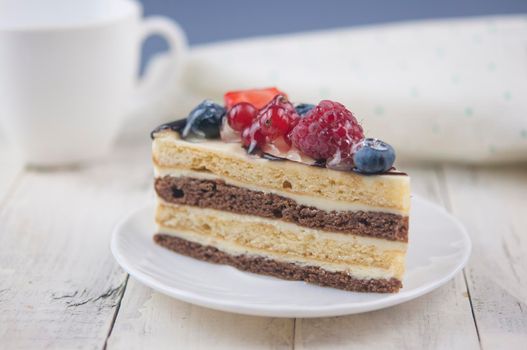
x: 327, y: 130
x: 257, y: 97
x: 278, y: 118
x: 241, y: 115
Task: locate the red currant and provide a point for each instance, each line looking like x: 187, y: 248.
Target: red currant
x: 252, y: 137
x: 278, y: 117
x: 241, y: 115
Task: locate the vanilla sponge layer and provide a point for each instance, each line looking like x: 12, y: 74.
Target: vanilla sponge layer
x: 230, y: 162
x: 363, y: 257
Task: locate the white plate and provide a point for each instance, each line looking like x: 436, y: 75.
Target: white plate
x: 439, y: 248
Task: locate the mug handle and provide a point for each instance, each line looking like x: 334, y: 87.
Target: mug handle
x: 147, y: 94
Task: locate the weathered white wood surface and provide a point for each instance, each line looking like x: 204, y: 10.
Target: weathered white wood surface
x: 59, y: 285
x: 492, y: 203
x: 150, y: 320
x: 60, y: 288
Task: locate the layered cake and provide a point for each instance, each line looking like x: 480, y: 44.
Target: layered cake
x: 291, y: 191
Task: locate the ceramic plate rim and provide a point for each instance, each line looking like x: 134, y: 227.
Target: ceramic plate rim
x: 305, y: 311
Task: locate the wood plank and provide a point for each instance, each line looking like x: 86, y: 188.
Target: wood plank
x: 59, y: 284
x: 150, y: 320
x: 439, y: 320
x: 492, y: 203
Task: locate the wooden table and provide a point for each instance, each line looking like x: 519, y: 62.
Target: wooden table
x: 60, y: 287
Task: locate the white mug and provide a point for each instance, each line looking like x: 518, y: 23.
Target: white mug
x: 69, y: 72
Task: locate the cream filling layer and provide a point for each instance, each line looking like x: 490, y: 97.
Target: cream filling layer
x: 310, y: 201
x: 281, y: 239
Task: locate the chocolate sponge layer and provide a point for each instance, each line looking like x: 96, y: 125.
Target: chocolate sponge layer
x: 284, y: 270
x: 216, y: 194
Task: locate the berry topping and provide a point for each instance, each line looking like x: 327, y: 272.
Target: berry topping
x: 327, y: 131
x: 269, y: 125
x: 278, y: 118
x: 204, y: 120
x: 373, y: 156
x: 252, y: 137
x: 241, y: 116
x: 257, y: 97
x: 303, y: 108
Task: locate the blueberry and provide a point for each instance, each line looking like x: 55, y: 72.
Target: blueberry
x: 204, y: 121
x: 303, y: 108
x: 373, y: 156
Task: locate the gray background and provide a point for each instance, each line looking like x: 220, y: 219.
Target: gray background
x: 209, y: 21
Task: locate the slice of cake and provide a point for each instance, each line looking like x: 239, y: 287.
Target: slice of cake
x: 301, y: 195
